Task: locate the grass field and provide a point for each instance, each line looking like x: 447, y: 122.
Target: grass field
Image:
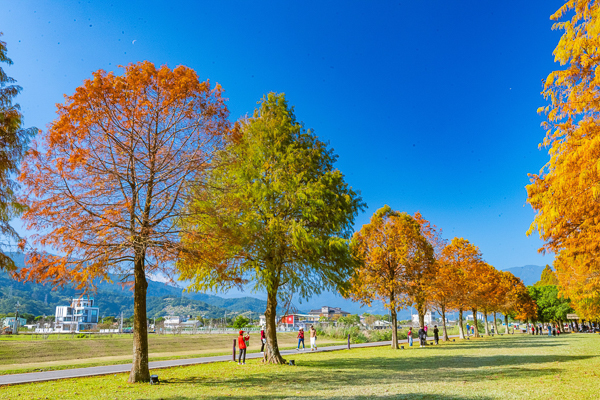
x: 27, y: 355
x: 508, y: 367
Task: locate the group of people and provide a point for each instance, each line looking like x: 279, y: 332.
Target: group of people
x: 553, y: 330
x: 243, y: 342
x: 313, y: 338
x: 422, y: 334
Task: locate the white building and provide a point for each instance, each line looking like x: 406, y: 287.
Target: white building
x: 175, y: 321
x: 430, y: 317
x: 470, y: 317
x: 81, y: 315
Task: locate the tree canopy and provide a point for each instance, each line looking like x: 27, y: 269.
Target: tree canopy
x: 277, y: 214
x: 394, y: 255
x: 105, y: 188
x: 565, y: 193
x: 14, y: 140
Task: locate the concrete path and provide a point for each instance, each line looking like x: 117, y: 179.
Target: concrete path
x: 120, y: 368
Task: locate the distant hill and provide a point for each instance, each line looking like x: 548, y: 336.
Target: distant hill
x: 112, y: 298
x: 529, y: 274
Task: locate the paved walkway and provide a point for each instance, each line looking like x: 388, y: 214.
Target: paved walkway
x: 120, y: 368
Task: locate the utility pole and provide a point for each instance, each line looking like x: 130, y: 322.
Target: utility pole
x: 16, y: 332
x: 121, y: 329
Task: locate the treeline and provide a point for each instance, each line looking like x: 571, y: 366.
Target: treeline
x: 404, y: 261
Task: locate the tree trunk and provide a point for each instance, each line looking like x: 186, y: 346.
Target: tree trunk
x: 474, y: 311
x: 485, y: 324
x: 421, y: 311
x: 506, y: 322
x: 394, y: 328
x: 445, y: 333
x: 461, y: 331
x: 139, y: 369
x: 272, y: 354
x: 495, y: 324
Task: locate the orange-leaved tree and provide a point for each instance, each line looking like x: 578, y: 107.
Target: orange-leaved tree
x: 390, y: 247
x: 565, y: 193
x: 443, y: 290
x: 508, y: 300
x: 487, y: 293
x: 465, y: 258
x: 420, y: 284
x: 106, y: 186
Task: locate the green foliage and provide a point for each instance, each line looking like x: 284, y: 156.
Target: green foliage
x: 14, y: 140
x: 240, y: 322
x: 349, y: 320
x: 550, y: 306
x: 276, y: 211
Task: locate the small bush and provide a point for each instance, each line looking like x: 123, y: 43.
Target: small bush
x: 81, y: 336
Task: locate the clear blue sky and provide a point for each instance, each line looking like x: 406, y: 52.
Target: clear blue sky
x: 430, y: 106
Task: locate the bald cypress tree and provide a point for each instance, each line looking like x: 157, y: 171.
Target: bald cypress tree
x: 13, y: 144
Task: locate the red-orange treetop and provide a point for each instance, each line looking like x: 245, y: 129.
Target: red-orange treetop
x: 106, y: 185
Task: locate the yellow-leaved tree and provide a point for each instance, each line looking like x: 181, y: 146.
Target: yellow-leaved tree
x: 565, y: 194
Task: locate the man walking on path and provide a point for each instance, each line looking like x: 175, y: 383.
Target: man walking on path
x: 242, y: 342
x: 549, y: 331
x: 313, y: 338
x: 468, y: 329
x: 409, y: 336
x: 301, y: 338
x: 436, y: 334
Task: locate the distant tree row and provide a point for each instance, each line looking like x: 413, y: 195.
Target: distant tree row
x: 405, y: 262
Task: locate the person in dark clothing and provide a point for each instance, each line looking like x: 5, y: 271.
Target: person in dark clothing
x: 263, y: 339
x: 422, y: 337
x: 242, y: 344
x: 436, y: 334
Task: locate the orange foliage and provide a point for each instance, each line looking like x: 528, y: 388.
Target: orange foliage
x: 565, y: 194
x: 106, y: 186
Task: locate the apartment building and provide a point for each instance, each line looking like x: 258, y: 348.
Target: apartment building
x: 81, y: 315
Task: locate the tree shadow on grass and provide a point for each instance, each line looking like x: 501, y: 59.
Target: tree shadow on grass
x: 514, y: 343
x: 346, y: 372
x: 412, y: 396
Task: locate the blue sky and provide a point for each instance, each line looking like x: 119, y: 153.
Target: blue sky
x: 431, y: 106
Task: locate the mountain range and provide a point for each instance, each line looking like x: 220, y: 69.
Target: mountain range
x: 164, y: 299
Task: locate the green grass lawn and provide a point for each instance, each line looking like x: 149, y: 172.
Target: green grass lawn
x: 19, y: 354
x: 508, y: 367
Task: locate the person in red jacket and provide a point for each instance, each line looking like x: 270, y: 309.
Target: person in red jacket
x: 300, y: 338
x: 242, y: 344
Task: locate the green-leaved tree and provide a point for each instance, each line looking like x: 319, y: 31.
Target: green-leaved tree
x: 276, y: 214
x: 13, y: 144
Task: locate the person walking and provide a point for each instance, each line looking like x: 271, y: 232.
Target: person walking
x: 300, y: 338
x: 436, y: 334
x: 243, y: 342
x: 422, y: 337
x: 409, y: 336
x: 313, y: 338
x: 263, y: 339
x: 468, y: 329
x: 549, y: 331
